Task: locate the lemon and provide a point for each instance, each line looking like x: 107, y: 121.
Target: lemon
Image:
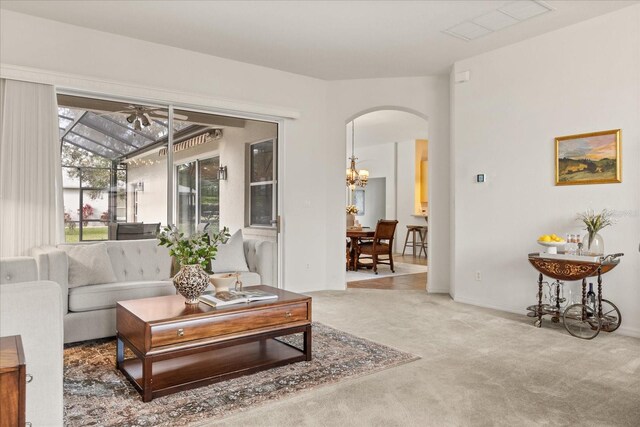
x: 545, y: 238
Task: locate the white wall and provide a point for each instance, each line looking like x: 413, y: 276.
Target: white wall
x: 152, y: 202
x: 87, y: 60
x: 578, y: 79
x: 374, y: 203
x: 428, y: 96
x: 314, y: 142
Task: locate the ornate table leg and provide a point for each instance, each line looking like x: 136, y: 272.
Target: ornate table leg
x: 584, y: 291
x: 538, y: 323
x: 556, y: 317
x: 599, y: 293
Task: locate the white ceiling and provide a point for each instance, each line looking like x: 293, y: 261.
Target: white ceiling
x: 381, y: 127
x: 325, y: 39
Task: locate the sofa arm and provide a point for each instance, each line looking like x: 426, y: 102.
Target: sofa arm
x: 33, y: 311
x: 261, y: 258
x: 53, y: 265
x: 18, y: 269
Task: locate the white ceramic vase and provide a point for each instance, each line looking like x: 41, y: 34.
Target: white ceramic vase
x: 222, y: 282
x: 351, y: 220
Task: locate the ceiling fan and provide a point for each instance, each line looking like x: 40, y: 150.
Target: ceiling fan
x: 141, y: 116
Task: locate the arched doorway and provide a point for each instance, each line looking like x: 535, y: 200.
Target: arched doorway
x: 391, y: 143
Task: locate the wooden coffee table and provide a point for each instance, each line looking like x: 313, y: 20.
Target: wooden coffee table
x: 179, y: 346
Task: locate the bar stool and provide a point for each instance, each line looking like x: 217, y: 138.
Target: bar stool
x: 423, y: 230
x: 411, y: 231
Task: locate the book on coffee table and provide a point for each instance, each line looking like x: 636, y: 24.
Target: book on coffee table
x: 221, y: 299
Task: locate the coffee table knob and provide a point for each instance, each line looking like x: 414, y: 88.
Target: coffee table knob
x: 180, y: 332
x: 287, y: 314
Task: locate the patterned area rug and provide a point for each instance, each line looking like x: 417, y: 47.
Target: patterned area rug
x: 96, y: 394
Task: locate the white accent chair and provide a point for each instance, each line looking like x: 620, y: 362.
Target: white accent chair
x: 32, y: 308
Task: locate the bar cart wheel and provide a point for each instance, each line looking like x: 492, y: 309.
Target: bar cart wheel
x: 537, y: 323
x: 611, y: 318
x: 581, y: 321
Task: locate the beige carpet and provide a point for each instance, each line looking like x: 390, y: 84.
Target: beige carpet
x: 479, y: 368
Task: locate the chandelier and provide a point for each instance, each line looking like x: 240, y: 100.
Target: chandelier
x: 355, y: 177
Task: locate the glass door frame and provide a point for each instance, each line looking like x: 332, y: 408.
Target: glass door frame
x: 152, y: 101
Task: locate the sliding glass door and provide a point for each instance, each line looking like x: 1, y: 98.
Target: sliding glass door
x: 198, y: 194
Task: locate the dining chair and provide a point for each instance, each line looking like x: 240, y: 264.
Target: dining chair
x: 380, y: 245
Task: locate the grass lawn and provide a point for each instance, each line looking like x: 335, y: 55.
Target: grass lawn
x: 88, y: 233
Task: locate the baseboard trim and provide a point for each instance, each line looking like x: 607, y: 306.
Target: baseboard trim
x: 623, y: 330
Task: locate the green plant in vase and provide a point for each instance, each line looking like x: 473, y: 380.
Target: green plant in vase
x: 194, y: 254
x: 593, y: 224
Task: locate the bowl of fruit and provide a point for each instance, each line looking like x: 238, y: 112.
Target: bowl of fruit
x: 551, y: 242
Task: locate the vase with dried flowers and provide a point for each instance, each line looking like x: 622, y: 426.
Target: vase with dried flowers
x: 351, y: 217
x: 593, y: 224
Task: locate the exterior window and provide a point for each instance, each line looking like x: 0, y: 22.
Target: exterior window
x: 262, y: 184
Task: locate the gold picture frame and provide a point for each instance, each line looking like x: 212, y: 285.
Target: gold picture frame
x: 589, y: 158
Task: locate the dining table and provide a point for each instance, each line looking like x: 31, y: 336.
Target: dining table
x: 355, y: 234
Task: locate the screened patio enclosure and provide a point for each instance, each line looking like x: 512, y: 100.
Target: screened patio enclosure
x: 223, y: 169
x: 100, y: 141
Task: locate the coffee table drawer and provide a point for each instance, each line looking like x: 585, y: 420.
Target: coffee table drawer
x: 225, y: 324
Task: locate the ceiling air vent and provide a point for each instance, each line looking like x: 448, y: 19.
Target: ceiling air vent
x: 510, y: 14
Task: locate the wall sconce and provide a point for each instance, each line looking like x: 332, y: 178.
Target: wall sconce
x: 222, y: 173
x: 138, y: 186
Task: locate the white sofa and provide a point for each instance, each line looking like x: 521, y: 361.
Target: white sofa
x: 32, y: 308
x: 142, y: 269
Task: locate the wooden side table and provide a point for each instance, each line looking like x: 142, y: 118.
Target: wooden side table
x: 13, y: 382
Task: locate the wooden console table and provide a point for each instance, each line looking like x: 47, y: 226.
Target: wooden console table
x: 178, y: 346
x: 13, y: 382
x: 581, y: 320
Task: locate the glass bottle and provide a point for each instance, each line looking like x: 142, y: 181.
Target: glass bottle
x: 591, y: 298
x: 579, y: 246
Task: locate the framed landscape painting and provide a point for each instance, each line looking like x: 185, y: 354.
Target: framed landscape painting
x: 588, y: 158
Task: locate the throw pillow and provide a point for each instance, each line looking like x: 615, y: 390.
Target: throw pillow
x: 230, y: 256
x: 89, y: 265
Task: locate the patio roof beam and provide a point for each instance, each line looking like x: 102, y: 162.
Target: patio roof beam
x: 72, y: 125
x: 98, y: 143
x: 82, y: 148
x: 110, y: 135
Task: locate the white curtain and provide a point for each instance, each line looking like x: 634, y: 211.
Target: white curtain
x: 31, y: 210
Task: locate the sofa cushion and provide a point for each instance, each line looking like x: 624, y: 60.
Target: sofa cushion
x: 230, y: 256
x: 139, y: 260
x: 89, y: 264
x: 96, y: 297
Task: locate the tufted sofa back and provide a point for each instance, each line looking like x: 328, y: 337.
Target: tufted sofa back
x: 139, y: 260
x: 136, y: 260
